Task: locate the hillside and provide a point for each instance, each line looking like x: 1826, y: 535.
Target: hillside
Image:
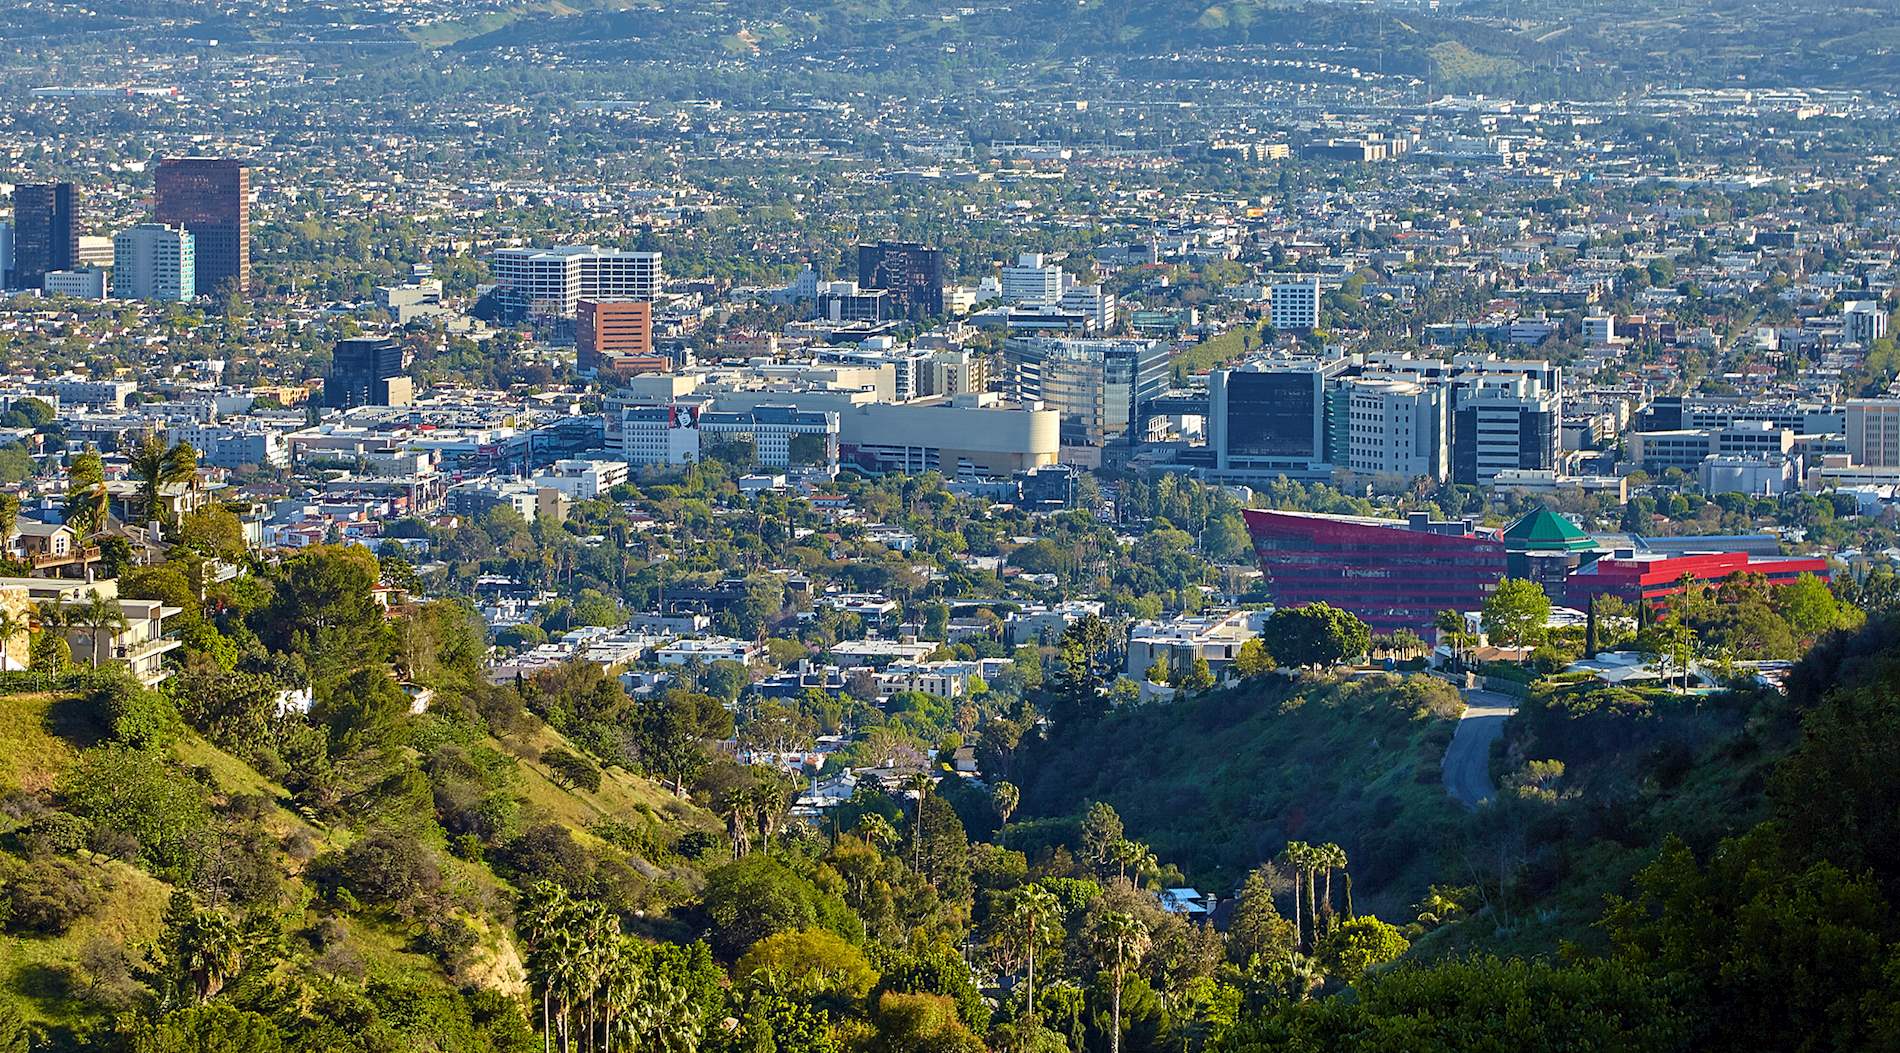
x: 86, y: 911
x: 1217, y: 784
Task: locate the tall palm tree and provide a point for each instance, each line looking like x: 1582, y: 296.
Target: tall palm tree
x: 96, y: 616
x: 921, y: 785
x: 88, y: 505
x: 1119, y: 940
x: 1332, y: 857
x: 1295, y: 855
x: 1029, y: 921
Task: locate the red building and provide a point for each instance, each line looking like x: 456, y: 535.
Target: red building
x: 211, y: 197
x: 1393, y: 574
x: 1652, y: 578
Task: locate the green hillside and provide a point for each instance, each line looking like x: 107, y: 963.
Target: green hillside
x: 1218, y: 783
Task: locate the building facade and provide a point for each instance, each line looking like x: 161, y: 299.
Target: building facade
x: 45, y: 232
x: 1294, y: 305
x: 608, y: 329
x: 211, y: 198
x: 154, y: 262
x: 1393, y: 574
x: 913, y: 272
x: 1097, y: 386
x: 368, y: 371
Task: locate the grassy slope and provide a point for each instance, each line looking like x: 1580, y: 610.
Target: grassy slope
x: 41, y: 734
x: 1217, y: 785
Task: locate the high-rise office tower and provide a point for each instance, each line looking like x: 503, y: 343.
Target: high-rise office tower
x: 911, y: 271
x: 6, y: 255
x: 553, y: 281
x: 211, y: 198
x: 154, y: 262
x: 45, y: 234
x: 367, y: 371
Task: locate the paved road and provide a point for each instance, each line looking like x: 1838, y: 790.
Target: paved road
x: 1468, y: 760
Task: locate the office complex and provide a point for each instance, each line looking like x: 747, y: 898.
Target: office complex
x: 1269, y: 418
x: 1505, y: 424
x: 368, y: 371
x: 1295, y: 305
x: 912, y: 272
x: 1097, y: 386
x: 1031, y: 280
x: 154, y: 262
x: 615, y: 336
x: 45, y: 232
x: 551, y: 282
x: 1394, y: 574
x: 6, y: 255
x: 1652, y: 577
x: 1873, y: 431
x: 1396, y: 428
x: 85, y: 283
x: 211, y: 198
x: 1863, y: 321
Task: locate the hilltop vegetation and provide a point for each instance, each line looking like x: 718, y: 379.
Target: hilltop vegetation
x: 1219, y: 782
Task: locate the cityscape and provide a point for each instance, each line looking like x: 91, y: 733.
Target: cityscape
x: 1016, y: 527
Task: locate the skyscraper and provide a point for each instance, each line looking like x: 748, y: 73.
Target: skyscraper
x: 367, y: 371
x: 45, y: 235
x: 211, y: 198
x: 913, y: 273
x: 154, y: 262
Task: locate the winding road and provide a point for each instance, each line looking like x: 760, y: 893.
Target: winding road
x: 1467, y: 764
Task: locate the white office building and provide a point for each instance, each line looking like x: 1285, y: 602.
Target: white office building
x: 1295, y: 305
x: 1095, y: 304
x: 553, y: 281
x: 582, y: 480
x: 1032, y: 280
x: 154, y: 261
x: 85, y: 283
x: 1397, y: 428
x: 1863, y: 321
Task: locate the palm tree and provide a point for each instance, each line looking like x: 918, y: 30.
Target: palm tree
x: 13, y: 625
x: 545, y: 911
x: 919, y: 784
x: 1119, y: 939
x: 97, y: 615
x: 1005, y: 798
x: 877, y: 830
x: 1330, y: 857
x: 88, y: 505
x: 214, y: 951
x: 622, y: 985
x: 1295, y: 855
x: 156, y: 466
x: 1028, y: 921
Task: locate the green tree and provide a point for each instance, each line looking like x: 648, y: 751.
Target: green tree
x: 1257, y: 931
x: 809, y: 964
x: 87, y: 502
x: 1252, y: 660
x: 1358, y: 944
x: 1118, y: 940
x: 1516, y: 614
x: 1317, y: 634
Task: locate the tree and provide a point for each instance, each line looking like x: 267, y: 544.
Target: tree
x: 155, y: 467
x: 1298, y: 856
x: 1101, y: 831
x: 1004, y: 797
x: 1257, y: 931
x: 1026, y: 921
x: 87, y: 502
x: 1119, y: 940
x: 809, y: 964
x: 1317, y: 634
x: 1516, y: 614
x: 102, y: 620
x: 215, y: 1027
x: 1196, y: 675
x: 1358, y: 944
x: 1252, y: 660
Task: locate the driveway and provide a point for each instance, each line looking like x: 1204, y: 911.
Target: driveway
x: 1467, y: 764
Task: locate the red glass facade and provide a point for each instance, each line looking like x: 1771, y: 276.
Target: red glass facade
x: 211, y: 197
x: 1654, y: 580
x: 1391, y: 574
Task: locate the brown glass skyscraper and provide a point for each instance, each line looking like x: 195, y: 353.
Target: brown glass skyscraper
x: 45, y: 234
x: 211, y: 196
